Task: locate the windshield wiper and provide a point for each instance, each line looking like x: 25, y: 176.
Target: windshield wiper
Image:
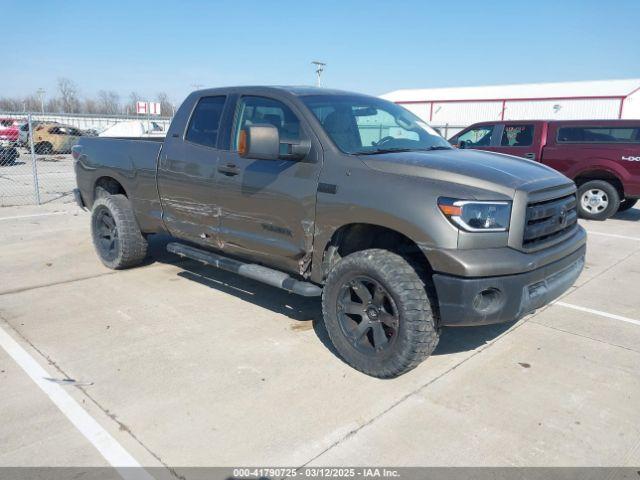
x: 437, y: 147
x: 382, y: 150
x: 396, y: 150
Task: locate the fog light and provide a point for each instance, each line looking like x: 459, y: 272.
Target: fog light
x: 488, y: 300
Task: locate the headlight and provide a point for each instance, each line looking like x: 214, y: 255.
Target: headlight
x: 475, y: 215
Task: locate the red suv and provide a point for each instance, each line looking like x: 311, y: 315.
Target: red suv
x: 601, y: 156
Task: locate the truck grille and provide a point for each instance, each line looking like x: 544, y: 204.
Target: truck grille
x: 549, y: 221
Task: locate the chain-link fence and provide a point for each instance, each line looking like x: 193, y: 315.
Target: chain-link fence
x: 35, y: 151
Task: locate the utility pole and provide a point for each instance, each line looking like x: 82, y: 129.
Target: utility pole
x: 319, y: 69
x: 41, y: 93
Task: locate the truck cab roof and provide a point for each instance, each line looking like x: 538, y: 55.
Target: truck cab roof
x: 297, y: 90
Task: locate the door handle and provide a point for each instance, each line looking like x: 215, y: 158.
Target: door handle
x: 229, y: 169
x: 530, y: 156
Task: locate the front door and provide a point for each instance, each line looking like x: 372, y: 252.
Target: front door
x: 268, y: 206
x: 187, y: 175
x: 482, y: 137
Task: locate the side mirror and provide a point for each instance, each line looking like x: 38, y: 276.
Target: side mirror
x: 261, y: 142
x: 462, y: 144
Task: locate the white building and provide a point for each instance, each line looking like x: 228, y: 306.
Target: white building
x: 460, y: 107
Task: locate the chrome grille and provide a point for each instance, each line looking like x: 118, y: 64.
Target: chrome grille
x: 549, y: 221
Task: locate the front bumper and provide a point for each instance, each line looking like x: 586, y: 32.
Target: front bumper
x: 481, y: 301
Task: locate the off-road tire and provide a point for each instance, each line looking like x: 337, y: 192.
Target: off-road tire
x: 627, y: 204
x: 416, y: 336
x: 126, y: 247
x: 612, y: 196
x: 43, y: 148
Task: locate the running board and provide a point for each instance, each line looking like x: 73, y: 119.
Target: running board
x: 260, y: 273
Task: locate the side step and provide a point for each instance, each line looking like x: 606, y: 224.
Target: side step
x: 262, y: 274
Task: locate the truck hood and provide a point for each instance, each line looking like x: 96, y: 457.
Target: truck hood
x: 474, y: 168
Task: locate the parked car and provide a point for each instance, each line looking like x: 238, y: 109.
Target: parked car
x: 8, y: 155
x: 23, y: 139
x: 55, y: 138
x: 347, y: 196
x: 9, y: 135
x: 601, y: 156
x: 9, y: 130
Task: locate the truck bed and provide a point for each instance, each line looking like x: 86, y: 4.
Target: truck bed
x: 131, y: 162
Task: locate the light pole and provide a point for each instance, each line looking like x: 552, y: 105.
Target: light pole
x: 319, y: 69
x: 41, y: 93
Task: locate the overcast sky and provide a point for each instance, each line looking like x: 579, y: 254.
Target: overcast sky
x: 369, y: 46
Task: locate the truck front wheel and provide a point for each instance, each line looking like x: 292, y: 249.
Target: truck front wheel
x: 377, y: 313
x: 597, y: 200
x: 116, y: 235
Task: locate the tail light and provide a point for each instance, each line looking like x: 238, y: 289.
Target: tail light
x: 76, y: 151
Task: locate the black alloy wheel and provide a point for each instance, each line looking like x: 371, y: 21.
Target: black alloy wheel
x: 367, y: 315
x: 108, y: 240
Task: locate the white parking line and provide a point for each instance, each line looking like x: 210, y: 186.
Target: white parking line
x: 34, y: 215
x: 598, y: 312
x: 109, y: 448
x: 613, y: 235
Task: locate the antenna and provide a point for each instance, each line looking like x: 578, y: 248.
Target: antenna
x: 319, y: 69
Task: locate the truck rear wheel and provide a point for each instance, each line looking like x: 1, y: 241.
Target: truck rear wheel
x: 377, y: 313
x: 597, y: 200
x: 116, y: 234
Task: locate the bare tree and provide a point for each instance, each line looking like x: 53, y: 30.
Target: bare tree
x: 10, y: 104
x: 32, y: 103
x: 134, y: 98
x: 68, y: 96
x: 166, y: 107
x: 90, y: 106
x: 109, y: 102
x: 54, y: 105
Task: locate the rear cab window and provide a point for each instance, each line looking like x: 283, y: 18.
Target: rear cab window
x: 205, y: 121
x: 598, y: 134
x: 517, y: 135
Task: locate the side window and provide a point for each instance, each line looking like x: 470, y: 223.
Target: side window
x: 517, y: 136
x: 599, y: 135
x: 205, y: 121
x: 477, y: 137
x: 261, y: 110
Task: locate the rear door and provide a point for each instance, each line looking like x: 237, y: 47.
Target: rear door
x: 187, y: 173
x: 268, y: 206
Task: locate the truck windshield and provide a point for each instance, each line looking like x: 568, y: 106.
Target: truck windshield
x: 365, y: 125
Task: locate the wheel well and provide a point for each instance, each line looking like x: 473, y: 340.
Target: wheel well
x: 110, y: 185
x: 601, y: 175
x: 362, y: 236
